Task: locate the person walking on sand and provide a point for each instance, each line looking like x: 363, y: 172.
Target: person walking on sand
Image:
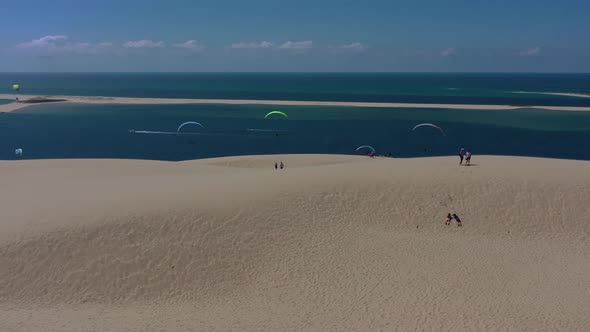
x: 449, y: 219
x: 461, y: 156
x: 276, y: 166
x: 456, y: 217
x: 282, y: 165
x: 468, y: 158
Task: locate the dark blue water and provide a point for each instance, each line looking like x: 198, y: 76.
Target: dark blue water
x: 101, y: 131
x: 387, y: 87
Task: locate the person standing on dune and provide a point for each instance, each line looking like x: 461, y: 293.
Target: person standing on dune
x: 461, y: 156
x: 456, y: 217
x: 468, y: 158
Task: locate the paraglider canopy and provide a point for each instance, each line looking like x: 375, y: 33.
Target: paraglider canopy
x: 276, y: 112
x: 18, y: 152
x: 366, y: 147
x: 429, y: 125
x: 189, y: 123
x: 16, y: 87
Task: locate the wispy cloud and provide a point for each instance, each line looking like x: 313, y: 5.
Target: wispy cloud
x: 530, y: 51
x: 190, y: 45
x: 298, y: 45
x: 50, y: 41
x: 448, y: 52
x: 58, y: 44
x: 143, y: 44
x: 352, y: 46
x: 243, y: 45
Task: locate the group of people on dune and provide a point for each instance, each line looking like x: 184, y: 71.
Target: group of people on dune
x: 465, y: 154
x: 281, y: 165
x: 450, y: 218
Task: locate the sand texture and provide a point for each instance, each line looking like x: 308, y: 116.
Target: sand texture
x: 330, y: 243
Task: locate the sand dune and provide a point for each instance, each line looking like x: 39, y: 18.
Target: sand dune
x: 178, y: 101
x: 329, y: 243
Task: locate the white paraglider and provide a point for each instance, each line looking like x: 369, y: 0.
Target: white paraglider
x: 372, y: 149
x: 429, y: 125
x: 18, y: 152
x: 189, y: 123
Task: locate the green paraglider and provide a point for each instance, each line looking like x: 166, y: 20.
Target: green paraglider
x: 16, y: 87
x: 276, y: 112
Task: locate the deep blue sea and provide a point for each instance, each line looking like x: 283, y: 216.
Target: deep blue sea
x: 102, y: 131
x: 503, y: 89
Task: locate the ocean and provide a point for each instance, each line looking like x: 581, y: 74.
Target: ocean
x: 501, y: 89
x: 103, y: 131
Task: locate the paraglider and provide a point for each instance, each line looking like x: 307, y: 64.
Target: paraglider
x: 276, y: 112
x: 18, y: 152
x: 366, y: 147
x: 16, y: 87
x: 189, y: 123
x: 429, y: 125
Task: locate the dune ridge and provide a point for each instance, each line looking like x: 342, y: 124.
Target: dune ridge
x: 329, y: 243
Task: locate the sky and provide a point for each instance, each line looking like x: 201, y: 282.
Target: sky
x: 294, y: 36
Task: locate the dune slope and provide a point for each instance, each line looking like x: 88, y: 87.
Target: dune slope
x: 329, y: 243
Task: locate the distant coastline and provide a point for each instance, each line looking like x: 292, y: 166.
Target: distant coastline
x: 30, y: 100
x: 563, y: 94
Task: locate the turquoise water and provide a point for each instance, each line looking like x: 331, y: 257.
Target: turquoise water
x: 102, y: 131
x: 5, y: 101
x: 387, y: 87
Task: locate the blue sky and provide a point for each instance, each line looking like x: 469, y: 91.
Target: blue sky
x: 303, y: 35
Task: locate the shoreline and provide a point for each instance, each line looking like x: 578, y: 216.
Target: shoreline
x: 577, y: 95
x: 562, y: 94
x: 183, y: 101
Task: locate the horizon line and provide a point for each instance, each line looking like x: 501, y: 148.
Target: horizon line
x: 294, y: 72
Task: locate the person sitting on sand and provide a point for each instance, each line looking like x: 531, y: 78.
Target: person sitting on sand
x: 461, y: 156
x: 468, y: 158
x: 282, y: 165
x: 456, y: 217
x: 449, y: 219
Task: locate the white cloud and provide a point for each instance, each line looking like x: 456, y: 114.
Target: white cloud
x: 531, y: 51
x: 190, y: 45
x: 45, y: 42
x: 448, y: 52
x: 352, y: 46
x: 262, y: 44
x: 59, y: 44
x: 143, y: 44
x: 299, y: 45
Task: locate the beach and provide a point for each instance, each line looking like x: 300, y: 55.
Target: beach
x: 332, y: 242
x: 180, y: 101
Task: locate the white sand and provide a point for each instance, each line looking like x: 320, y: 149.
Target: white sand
x: 5, y: 108
x: 170, y: 101
x: 331, y: 243
x: 579, y: 95
x: 563, y: 94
